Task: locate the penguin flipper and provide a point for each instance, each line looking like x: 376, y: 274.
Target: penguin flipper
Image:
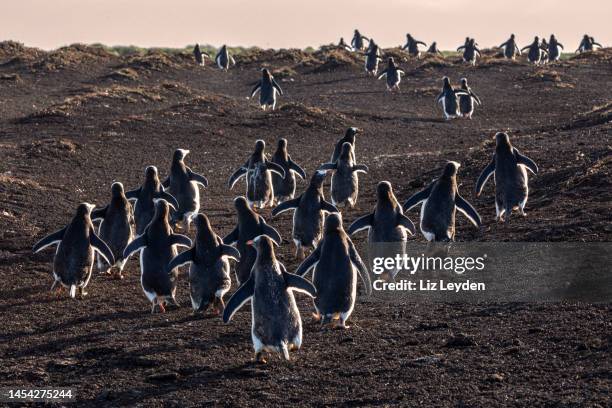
x: 309, y: 262
x: 180, y: 240
x: 102, y: 248
x: 382, y: 74
x: 417, y: 198
x: 360, y: 168
x: 297, y: 169
x: 239, y: 298
x: 238, y: 174
x: 255, y: 89
x: 286, y: 206
x: 271, y: 232
x: 328, y: 166
x: 232, y: 60
x: 406, y: 223
x: 169, y: 198
x: 230, y: 252
x: 180, y: 260
x: 197, y: 178
x: 476, y: 98
x: 360, y: 224
x: 467, y: 210
x: 277, y: 86
x: 137, y: 244
x: 166, y: 182
x: 275, y: 168
x: 51, y: 239
x: 231, y: 237
x: 297, y: 283
x: 133, y: 194
x: 99, y: 213
x: 329, y: 207
x: 484, y: 176
x: 361, y: 268
x: 525, y: 161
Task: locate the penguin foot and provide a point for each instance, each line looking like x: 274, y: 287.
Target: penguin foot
x: 340, y: 325
x: 82, y: 293
x: 259, y: 358
x: 316, y: 317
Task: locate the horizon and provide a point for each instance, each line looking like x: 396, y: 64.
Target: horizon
x: 185, y: 23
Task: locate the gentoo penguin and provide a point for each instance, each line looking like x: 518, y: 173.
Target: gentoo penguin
x: 393, y: 74
x: 510, y: 49
x: 335, y: 263
x: 357, y: 42
x: 199, y: 55
x: 74, y: 257
x: 284, y: 187
x: 554, y: 49
x: 588, y: 43
x: 433, y: 49
x: 466, y: 102
x: 267, y: 87
x: 440, y: 201
x: 183, y: 185
x: 511, y: 181
x: 250, y: 225
x: 144, y: 208
x: 535, y: 53
x: 412, y: 46
x: 258, y: 169
x: 310, y: 208
x: 470, y: 51
x: 157, y: 247
x: 276, y: 323
x: 372, y: 59
x: 345, y: 182
x: 115, y: 228
x: 223, y: 59
x: 448, y: 99
x: 349, y: 136
x: 344, y: 46
x: 209, y: 273
x: 387, y: 224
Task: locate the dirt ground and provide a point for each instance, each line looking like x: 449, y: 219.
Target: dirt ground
x: 73, y: 121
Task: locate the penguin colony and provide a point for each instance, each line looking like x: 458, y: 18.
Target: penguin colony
x: 157, y: 208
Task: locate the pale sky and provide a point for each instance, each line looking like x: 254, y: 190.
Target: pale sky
x: 286, y: 23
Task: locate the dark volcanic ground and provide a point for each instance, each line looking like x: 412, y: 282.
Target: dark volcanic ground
x: 75, y: 120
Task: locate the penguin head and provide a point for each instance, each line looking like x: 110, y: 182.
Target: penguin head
x: 264, y: 246
x: 203, y: 228
x: 502, y: 141
x: 117, y: 189
x: 346, y: 150
x: 408, y: 36
x: 151, y: 174
x: 333, y: 222
x: 434, y: 44
x: 350, y: 134
x: 162, y: 208
x: 536, y: 39
x: 317, y: 178
x: 179, y: 154
x: 512, y: 36
x: 260, y: 145
x: 464, y: 83
x: 446, y: 81
x: 265, y: 73
x: 84, y: 209
x: 282, y: 144
x: 391, y: 62
x: 242, y: 206
x: 450, y: 169
x: 384, y: 192
x: 357, y: 32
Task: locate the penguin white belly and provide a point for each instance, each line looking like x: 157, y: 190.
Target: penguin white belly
x: 428, y: 235
x: 150, y: 295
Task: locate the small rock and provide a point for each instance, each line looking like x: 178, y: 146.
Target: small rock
x: 167, y: 376
x: 496, y: 377
x: 459, y: 340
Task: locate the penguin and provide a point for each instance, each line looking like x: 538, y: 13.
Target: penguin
x: 115, y: 228
x: 250, y: 225
x: 466, y: 102
x: 209, y: 273
x: 372, y: 59
x: 223, y: 59
x: 276, y: 325
x: 345, y: 182
x: 74, y: 257
x: 157, y: 247
x: 284, y: 187
x: 199, y: 54
x: 510, y: 49
x: 448, y: 99
x: 412, y: 46
x: 310, y: 208
x: 554, y: 48
x: 470, y: 51
x: 588, y: 43
x: 144, y: 208
x: 344, y: 46
x: 511, y: 180
x: 535, y: 54
x: 335, y: 264
x: 393, y: 74
x: 267, y: 87
x: 387, y: 224
x: 257, y: 170
x: 357, y: 41
x: 183, y: 185
x: 433, y: 49
x: 349, y: 136
x: 440, y: 201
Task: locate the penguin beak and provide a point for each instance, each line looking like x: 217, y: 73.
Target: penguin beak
x: 90, y: 207
x: 250, y: 242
